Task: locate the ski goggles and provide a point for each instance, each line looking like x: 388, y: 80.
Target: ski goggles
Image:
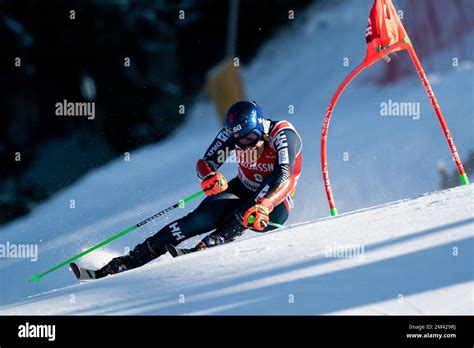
x: 249, y: 139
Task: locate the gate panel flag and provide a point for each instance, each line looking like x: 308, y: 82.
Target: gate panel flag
x: 385, y: 34
x: 384, y: 28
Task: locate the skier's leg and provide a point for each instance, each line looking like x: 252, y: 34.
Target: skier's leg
x: 225, y: 233
x: 234, y: 227
x: 211, y: 213
x: 279, y: 215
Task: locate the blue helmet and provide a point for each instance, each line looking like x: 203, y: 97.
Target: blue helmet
x: 244, y: 123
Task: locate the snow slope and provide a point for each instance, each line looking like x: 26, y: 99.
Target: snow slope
x: 415, y: 258
x: 389, y: 159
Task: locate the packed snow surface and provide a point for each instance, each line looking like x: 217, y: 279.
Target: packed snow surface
x: 413, y: 256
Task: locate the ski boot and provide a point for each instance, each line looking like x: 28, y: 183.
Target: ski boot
x: 140, y: 255
x: 208, y: 242
x: 225, y: 234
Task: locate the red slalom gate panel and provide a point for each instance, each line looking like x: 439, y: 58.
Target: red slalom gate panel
x: 385, y: 34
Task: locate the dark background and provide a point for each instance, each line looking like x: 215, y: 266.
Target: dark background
x: 82, y: 59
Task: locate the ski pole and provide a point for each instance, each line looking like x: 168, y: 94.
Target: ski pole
x: 251, y: 219
x: 118, y: 235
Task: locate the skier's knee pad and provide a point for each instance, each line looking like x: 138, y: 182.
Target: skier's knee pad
x: 217, y: 207
x: 223, y: 196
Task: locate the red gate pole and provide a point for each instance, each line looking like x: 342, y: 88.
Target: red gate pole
x: 324, y: 135
x: 385, y: 33
x: 327, y: 118
x: 457, y: 160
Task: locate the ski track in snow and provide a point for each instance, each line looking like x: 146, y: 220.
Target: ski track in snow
x: 416, y: 259
x: 407, y: 243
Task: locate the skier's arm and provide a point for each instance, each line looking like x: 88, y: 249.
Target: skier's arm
x: 277, y: 186
x: 213, y: 182
x: 215, y: 155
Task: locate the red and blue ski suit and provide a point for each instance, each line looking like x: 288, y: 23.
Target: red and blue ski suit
x: 273, y: 175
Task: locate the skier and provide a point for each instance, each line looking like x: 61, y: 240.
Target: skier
x: 259, y: 198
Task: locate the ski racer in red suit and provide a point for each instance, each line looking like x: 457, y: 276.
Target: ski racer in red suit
x: 259, y: 198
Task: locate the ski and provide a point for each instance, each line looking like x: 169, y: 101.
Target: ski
x: 84, y: 273
x: 175, y: 252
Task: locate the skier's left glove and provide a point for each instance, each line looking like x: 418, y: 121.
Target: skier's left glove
x: 256, y: 217
x: 214, y: 183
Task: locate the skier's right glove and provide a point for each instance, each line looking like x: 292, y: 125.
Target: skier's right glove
x: 214, y: 183
x: 256, y: 217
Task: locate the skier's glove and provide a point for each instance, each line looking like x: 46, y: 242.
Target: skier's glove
x: 256, y: 217
x: 214, y: 183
